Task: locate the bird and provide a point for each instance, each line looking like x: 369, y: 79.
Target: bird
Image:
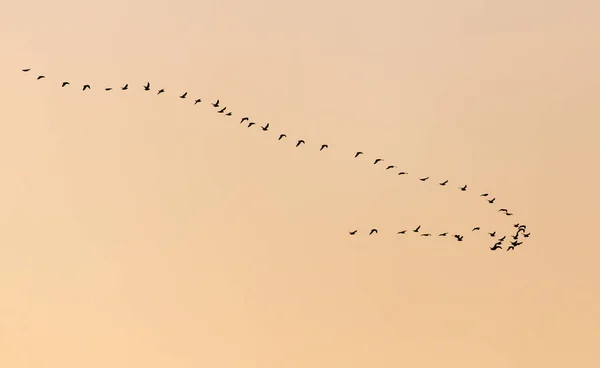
x: 463, y: 188
x: 515, y: 243
x: 323, y: 147
x: 444, y: 183
x: 147, y: 86
x: 222, y: 110
x: 402, y: 232
x: 511, y: 247
x: 402, y: 173
x: 243, y: 119
x: 281, y: 136
x: 125, y: 87
x: 86, y: 86
x: 503, y: 210
x: 377, y: 160
x: 521, y: 229
x: 390, y: 167
x: 300, y: 142
x: 26, y: 70
x: 65, y: 84
x: 352, y: 232
x: 502, y: 239
x: 492, y: 200
x: 357, y: 154
x: 417, y: 229
x: 197, y: 101
x: 484, y: 195
x: 250, y: 124
x: 216, y: 104
x: 160, y: 91
x: 40, y: 77
x: 492, y: 234
x: 443, y: 234
x: 107, y: 89
x: 517, y: 225
x: 423, y: 179
x: 228, y: 114
x: 426, y: 234
x: 266, y: 127
x: 508, y: 214
x: 516, y: 236
x: 496, y: 246
x: 458, y: 237
x: 475, y: 228
x: 373, y: 231
x: 526, y: 235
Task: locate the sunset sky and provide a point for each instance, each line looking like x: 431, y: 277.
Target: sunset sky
x: 141, y: 230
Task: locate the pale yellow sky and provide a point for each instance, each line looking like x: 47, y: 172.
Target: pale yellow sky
x: 143, y: 231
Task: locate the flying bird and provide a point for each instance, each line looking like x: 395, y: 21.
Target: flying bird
x: 373, y: 231
x: 281, y: 136
x: 243, y: 119
x: 147, y: 87
x: 503, y: 210
x: 508, y: 214
x: 40, y: 77
x: 496, y: 246
x: 484, y: 195
x: 266, y: 127
x: 357, y: 154
x: 458, y: 237
x: 390, y: 167
x: 492, y: 234
x: 250, y: 124
x: 463, y: 188
x: 323, y: 147
x: 417, y: 229
x: 377, y: 160
x: 352, y: 232
x: 491, y: 200
x: 197, y: 101
x: 515, y: 243
x: 65, y: 84
x: 107, y: 89
x: 228, y: 114
x: 300, y: 142
x: 26, y: 70
x: 161, y: 91
x: 427, y: 234
x: 443, y: 234
x: 216, y: 104
x: 475, y: 228
x: 86, y: 86
x: 402, y: 173
x: 423, y: 179
x: 125, y: 87
x: 511, y: 247
x: 502, y: 239
x: 444, y: 183
x: 402, y: 232
x: 526, y: 235
x: 222, y: 110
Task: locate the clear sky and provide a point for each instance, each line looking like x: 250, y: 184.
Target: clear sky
x: 141, y: 230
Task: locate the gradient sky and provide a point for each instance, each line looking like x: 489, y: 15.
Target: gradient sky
x: 143, y: 231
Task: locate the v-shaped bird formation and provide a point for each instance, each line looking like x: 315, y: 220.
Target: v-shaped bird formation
x: 497, y: 240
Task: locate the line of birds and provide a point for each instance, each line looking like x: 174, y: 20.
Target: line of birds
x: 222, y: 110
x: 497, y: 245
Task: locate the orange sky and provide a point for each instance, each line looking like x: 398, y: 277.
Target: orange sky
x: 143, y: 231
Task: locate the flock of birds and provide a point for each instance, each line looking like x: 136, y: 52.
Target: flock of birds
x: 521, y: 228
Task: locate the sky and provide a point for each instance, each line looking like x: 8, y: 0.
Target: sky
x: 143, y: 230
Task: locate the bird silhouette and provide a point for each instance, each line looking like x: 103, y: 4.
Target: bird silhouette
x: 458, y: 237
x: 502, y: 239
x: 352, y: 232
x: 423, y: 179
x: 228, y: 114
x: 197, y: 101
x: 184, y: 95
x: 492, y: 200
x: 243, y: 119
x: 511, y: 247
x: 216, y: 104
x: 281, y: 136
x: 147, y: 87
x: 222, y: 110
x: 86, y: 86
x: 357, y: 154
x: 402, y: 173
x: 377, y: 160
x: 266, y: 127
x: 463, y: 188
x: 444, y: 183
x: 443, y: 234
x: 26, y: 70
x: 503, y: 210
x: 526, y: 235
x: 492, y: 234
x: 484, y: 195
x: 496, y: 246
x: 426, y: 234
x: 65, y: 84
x: 125, y: 87
x: 250, y: 124
x: 515, y: 243
x: 373, y: 231
x: 417, y: 229
x: 40, y: 77
x: 517, y: 225
x: 475, y: 228
x: 508, y: 214
x: 390, y: 167
x: 300, y: 142
x: 160, y: 91
x: 323, y: 147
x: 402, y: 232
x: 107, y: 89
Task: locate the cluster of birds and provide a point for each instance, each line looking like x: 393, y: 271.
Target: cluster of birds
x: 463, y: 188
x: 497, y: 245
